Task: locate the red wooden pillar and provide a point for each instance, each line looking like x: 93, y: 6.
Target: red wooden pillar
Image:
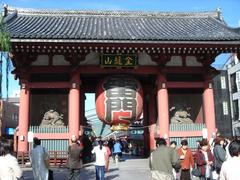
x: 152, y: 121
x: 74, y: 106
x: 23, y: 117
x: 208, y: 108
x: 163, y: 109
x: 82, y: 112
x: 145, y: 123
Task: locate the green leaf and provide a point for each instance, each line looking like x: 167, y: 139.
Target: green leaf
x: 4, y: 36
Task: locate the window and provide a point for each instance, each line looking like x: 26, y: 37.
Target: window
x: 223, y: 82
x: 235, y: 110
x: 225, y: 108
x: 238, y: 80
x: 233, y: 83
x: 13, y: 117
x: 16, y: 117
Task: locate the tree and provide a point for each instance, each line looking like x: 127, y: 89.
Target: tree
x: 4, y: 36
x: 4, y: 49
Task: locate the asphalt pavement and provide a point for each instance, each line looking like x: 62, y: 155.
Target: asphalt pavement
x: 129, y: 168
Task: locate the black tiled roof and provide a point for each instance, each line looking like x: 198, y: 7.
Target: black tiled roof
x: 116, y: 25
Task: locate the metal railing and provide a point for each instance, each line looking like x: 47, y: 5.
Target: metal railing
x: 60, y: 129
x: 187, y: 127
x: 57, y: 158
x: 192, y: 141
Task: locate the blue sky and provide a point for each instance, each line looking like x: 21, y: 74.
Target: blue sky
x: 229, y: 8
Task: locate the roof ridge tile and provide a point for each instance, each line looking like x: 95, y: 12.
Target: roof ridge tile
x: 47, y: 12
x: 118, y: 25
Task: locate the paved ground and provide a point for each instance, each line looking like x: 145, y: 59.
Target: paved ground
x: 129, y: 168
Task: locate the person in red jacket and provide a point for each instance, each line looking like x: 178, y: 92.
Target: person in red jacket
x: 204, y: 160
x: 107, y: 155
x: 187, y: 160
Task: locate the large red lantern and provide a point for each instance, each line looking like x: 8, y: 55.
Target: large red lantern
x: 119, y: 101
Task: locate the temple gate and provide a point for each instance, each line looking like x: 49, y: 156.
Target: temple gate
x: 61, y: 55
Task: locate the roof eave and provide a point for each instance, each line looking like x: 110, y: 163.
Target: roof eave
x: 230, y: 42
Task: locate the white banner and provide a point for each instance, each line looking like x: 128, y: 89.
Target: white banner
x: 238, y: 110
x: 238, y: 80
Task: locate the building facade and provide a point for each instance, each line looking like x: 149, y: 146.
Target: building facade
x: 222, y: 104
x: 233, y: 70
x: 9, y: 117
x: 61, y: 55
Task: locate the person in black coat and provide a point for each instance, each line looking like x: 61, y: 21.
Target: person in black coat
x: 219, y: 154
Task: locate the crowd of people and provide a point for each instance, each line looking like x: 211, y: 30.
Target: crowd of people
x: 218, y: 160
x: 100, y: 152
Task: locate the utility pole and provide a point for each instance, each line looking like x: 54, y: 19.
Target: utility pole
x: 1, y: 112
x: 1, y: 103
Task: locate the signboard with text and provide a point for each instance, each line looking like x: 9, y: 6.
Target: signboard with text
x: 30, y: 136
x: 119, y: 60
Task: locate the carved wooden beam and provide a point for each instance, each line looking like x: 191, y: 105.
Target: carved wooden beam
x: 206, y: 59
x: 23, y: 59
x: 161, y: 59
x: 75, y: 58
x: 24, y: 76
x: 210, y: 72
x: 22, y: 62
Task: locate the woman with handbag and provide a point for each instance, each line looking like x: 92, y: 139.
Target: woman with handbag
x: 204, y: 160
